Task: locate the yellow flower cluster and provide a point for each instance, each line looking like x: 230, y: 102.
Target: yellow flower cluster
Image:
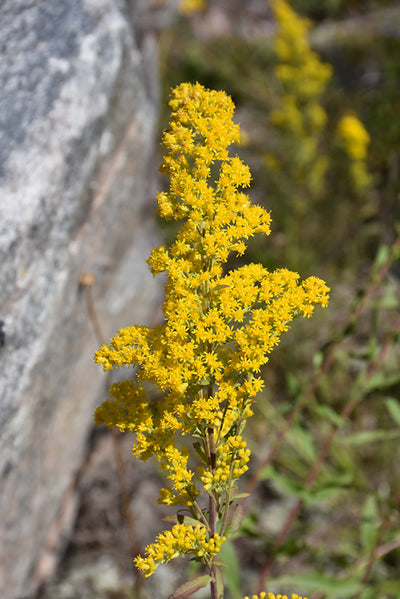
x: 354, y: 135
x: 299, y: 68
x: 219, y: 325
x: 181, y: 540
x: 303, y: 78
x: 272, y: 596
x: 356, y: 140
x: 231, y: 463
x: 174, y: 463
x: 187, y: 7
x: 300, y: 116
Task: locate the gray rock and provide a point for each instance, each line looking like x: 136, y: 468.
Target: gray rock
x: 76, y: 131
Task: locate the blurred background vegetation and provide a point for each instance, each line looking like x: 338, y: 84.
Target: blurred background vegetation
x: 317, y: 90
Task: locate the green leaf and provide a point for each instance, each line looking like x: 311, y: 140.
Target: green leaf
x: 240, y: 496
x: 218, y: 287
x: 312, y: 496
x: 303, y: 442
x: 369, y: 529
x: 282, y: 481
x: 328, y: 413
x: 318, y: 359
x: 190, y: 587
x: 393, y: 406
x: 235, y: 519
x: 285, y: 484
x: 382, y: 256
x: 293, y: 385
x: 322, y: 583
x: 339, y: 479
x: 389, y: 587
x: 368, y: 593
x: 326, y: 492
x: 229, y: 557
x: 220, y: 583
x: 389, y: 300
x: 181, y: 519
x: 198, y: 447
x: 369, y: 437
x: 381, y: 380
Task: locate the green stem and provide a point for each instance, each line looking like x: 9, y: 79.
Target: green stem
x: 211, y: 466
x: 228, y: 495
x: 212, y: 513
x: 204, y: 520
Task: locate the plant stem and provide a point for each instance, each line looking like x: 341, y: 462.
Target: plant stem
x: 212, y: 515
x: 212, y: 503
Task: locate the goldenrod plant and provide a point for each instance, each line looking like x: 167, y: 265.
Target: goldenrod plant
x: 303, y: 78
x: 272, y: 596
x: 220, y: 325
x: 323, y: 435
x: 307, y: 154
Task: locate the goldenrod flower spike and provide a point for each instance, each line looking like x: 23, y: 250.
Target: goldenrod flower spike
x: 219, y: 327
x: 272, y: 596
x: 355, y: 139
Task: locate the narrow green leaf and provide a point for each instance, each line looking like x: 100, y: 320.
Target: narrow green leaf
x: 218, y: 287
x: 393, y: 406
x: 229, y: 557
x: 381, y: 257
x: 328, y: 413
x: 327, y: 492
x: 340, y: 479
x: 370, y: 437
x: 368, y: 593
x: 240, y: 496
x: 181, y: 519
x: 322, y: 583
x: 234, y: 520
x: 369, y: 528
x: 220, y: 583
x: 388, y: 587
x: 190, y: 587
x: 285, y: 484
x: 381, y: 381
x: 389, y: 300
x: 303, y: 442
x: 293, y: 385
x: 317, y: 359
x: 200, y: 451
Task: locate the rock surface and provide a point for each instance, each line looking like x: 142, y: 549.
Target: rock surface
x: 76, y: 133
